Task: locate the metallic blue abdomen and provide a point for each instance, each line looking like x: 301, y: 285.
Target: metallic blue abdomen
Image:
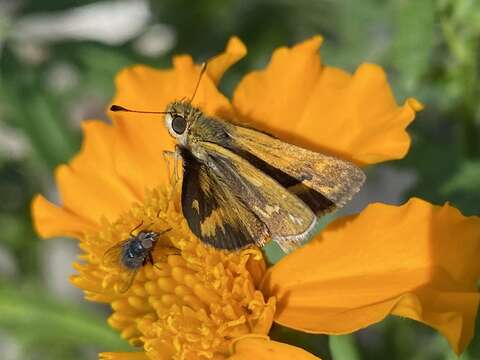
x: 134, y: 254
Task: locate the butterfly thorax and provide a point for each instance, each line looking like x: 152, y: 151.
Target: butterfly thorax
x: 198, y: 126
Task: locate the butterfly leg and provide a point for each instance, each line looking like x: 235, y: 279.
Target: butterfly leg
x: 175, y: 155
x: 176, y: 162
x: 175, y: 176
x: 166, y: 155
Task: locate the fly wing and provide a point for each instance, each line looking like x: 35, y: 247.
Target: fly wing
x: 126, y: 281
x: 288, y: 219
x: 112, y: 259
x: 336, y: 180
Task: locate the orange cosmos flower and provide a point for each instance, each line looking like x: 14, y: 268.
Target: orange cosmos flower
x: 417, y: 260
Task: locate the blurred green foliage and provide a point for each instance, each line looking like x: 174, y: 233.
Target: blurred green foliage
x: 41, y: 323
x: 430, y: 49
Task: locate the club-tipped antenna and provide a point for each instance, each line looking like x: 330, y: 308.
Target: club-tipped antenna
x: 202, y: 71
x: 118, y: 108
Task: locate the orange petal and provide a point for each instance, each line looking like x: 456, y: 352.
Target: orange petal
x: 219, y: 64
x: 141, y: 138
x: 90, y: 186
x: 145, y: 88
x: 123, y: 356
x: 417, y: 260
x: 326, y: 109
x: 50, y: 220
x: 261, y: 349
x: 140, y: 142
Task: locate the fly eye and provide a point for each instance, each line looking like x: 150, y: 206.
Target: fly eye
x: 147, y: 243
x: 179, y: 124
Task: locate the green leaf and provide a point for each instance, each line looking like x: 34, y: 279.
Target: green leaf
x: 466, y: 179
x: 43, y: 121
x: 414, y: 39
x: 357, y: 35
x: 344, y: 347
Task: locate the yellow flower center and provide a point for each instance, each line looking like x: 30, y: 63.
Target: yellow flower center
x: 193, y: 303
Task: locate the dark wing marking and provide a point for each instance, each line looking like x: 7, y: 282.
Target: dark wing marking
x: 287, y: 218
x: 318, y: 203
x: 215, y: 215
x: 337, y: 180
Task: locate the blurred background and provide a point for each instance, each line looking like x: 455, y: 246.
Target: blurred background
x: 58, y: 59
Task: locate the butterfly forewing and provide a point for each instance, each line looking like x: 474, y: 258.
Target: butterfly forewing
x: 318, y: 203
x: 242, y: 186
x: 335, y: 179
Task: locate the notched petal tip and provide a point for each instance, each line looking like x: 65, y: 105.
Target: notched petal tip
x: 234, y: 51
x: 183, y: 62
x: 414, y: 104
x: 312, y: 44
x: 50, y: 220
x: 235, y: 46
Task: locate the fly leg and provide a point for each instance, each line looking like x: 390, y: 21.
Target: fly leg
x: 135, y: 228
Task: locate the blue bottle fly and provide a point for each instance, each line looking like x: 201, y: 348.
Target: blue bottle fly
x: 131, y: 255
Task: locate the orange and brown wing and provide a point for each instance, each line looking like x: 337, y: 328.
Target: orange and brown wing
x: 214, y: 214
x: 287, y: 219
x: 323, y: 182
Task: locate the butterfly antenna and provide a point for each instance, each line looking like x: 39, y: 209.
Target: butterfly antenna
x: 202, y: 71
x: 118, y: 108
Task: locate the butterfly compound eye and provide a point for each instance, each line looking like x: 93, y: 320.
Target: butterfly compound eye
x: 179, y: 124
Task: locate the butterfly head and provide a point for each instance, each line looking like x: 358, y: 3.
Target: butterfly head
x: 179, y: 117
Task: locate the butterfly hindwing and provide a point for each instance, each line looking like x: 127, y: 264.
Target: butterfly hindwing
x: 286, y: 217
